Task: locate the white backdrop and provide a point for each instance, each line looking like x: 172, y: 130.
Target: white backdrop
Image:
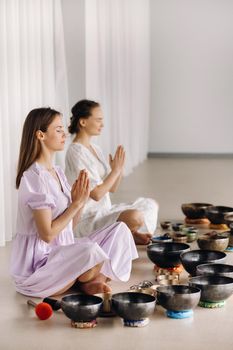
x: 118, y: 72
x: 33, y: 74
x: 192, y: 76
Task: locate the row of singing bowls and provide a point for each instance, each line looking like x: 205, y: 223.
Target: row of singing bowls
x: 128, y: 305
x: 215, y: 214
x: 213, y: 288
x: 190, y: 260
x: 166, y: 255
x: 178, y: 297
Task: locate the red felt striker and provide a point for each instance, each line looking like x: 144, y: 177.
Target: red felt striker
x: 42, y: 310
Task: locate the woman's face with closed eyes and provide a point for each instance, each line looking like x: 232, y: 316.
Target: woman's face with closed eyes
x: 93, y: 124
x: 54, y: 138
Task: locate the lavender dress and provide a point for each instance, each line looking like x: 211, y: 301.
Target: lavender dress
x: 41, y: 269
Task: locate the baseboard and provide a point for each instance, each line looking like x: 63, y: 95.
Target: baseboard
x: 191, y: 155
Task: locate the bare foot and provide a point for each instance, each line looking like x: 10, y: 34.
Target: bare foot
x: 94, y: 287
x: 141, y: 238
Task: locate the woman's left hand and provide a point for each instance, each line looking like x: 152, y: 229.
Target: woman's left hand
x: 80, y: 191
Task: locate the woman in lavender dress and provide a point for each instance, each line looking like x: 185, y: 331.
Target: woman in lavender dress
x: 46, y: 259
x: 141, y: 215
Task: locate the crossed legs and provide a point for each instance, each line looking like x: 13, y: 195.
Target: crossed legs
x: 133, y: 218
x: 90, y: 282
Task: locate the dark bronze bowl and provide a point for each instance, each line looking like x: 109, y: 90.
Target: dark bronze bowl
x: 195, y: 210
x: 166, y: 225
x: 192, y: 259
x: 166, y: 255
x: 81, y: 308
x: 178, y: 298
x: 216, y: 214
x: 215, y: 270
x: 213, y: 288
x: 133, y: 306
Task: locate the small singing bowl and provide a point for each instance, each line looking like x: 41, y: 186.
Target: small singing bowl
x: 213, y: 288
x: 177, y: 226
x: 166, y: 255
x: 180, y: 238
x: 191, y: 236
x: 161, y: 239
x: 190, y: 260
x: 215, y: 270
x: 81, y: 308
x: 216, y: 214
x: 211, y: 241
x: 133, y: 306
x: 195, y: 210
x: 179, y: 297
x: 166, y: 225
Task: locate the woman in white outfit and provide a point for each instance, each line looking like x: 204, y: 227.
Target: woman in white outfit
x: 141, y: 215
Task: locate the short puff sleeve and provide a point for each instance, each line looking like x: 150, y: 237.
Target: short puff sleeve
x: 35, y: 192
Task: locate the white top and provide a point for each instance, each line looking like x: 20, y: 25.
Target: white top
x: 97, y: 214
x: 79, y: 157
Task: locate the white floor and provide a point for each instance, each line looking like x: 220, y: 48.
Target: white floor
x: 171, y: 182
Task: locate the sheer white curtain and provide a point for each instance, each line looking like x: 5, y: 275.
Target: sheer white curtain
x: 32, y: 74
x: 118, y: 72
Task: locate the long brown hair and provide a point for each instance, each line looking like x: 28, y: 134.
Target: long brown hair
x: 30, y: 147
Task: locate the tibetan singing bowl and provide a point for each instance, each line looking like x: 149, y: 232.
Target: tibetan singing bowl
x: 213, y: 241
x: 213, y: 288
x: 166, y: 255
x: 192, y: 259
x: 178, y: 298
x: 216, y: 214
x: 215, y: 270
x: 195, y: 210
x: 81, y: 308
x: 133, y: 306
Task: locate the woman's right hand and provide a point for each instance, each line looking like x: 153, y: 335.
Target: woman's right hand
x: 80, y: 191
x: 118, y: 161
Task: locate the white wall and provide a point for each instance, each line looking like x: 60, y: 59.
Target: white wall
x: 191, y: 76
x: 74, y: 32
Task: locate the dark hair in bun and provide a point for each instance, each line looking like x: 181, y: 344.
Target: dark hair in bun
x: 81, y: 109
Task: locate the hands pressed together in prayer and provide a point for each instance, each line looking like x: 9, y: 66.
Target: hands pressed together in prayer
x: 80, y: 191
x: 118, y: 161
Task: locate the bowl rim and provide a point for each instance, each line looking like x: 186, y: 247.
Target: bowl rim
x: 215, y: 264
x: 229, y: 279
x: 150, y: 298
x: 197, y: 204
x: 98, y: 299
x: 214, y: 209
x: 185, y: 246
x: 205, y: 250
x: 178, y: 286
